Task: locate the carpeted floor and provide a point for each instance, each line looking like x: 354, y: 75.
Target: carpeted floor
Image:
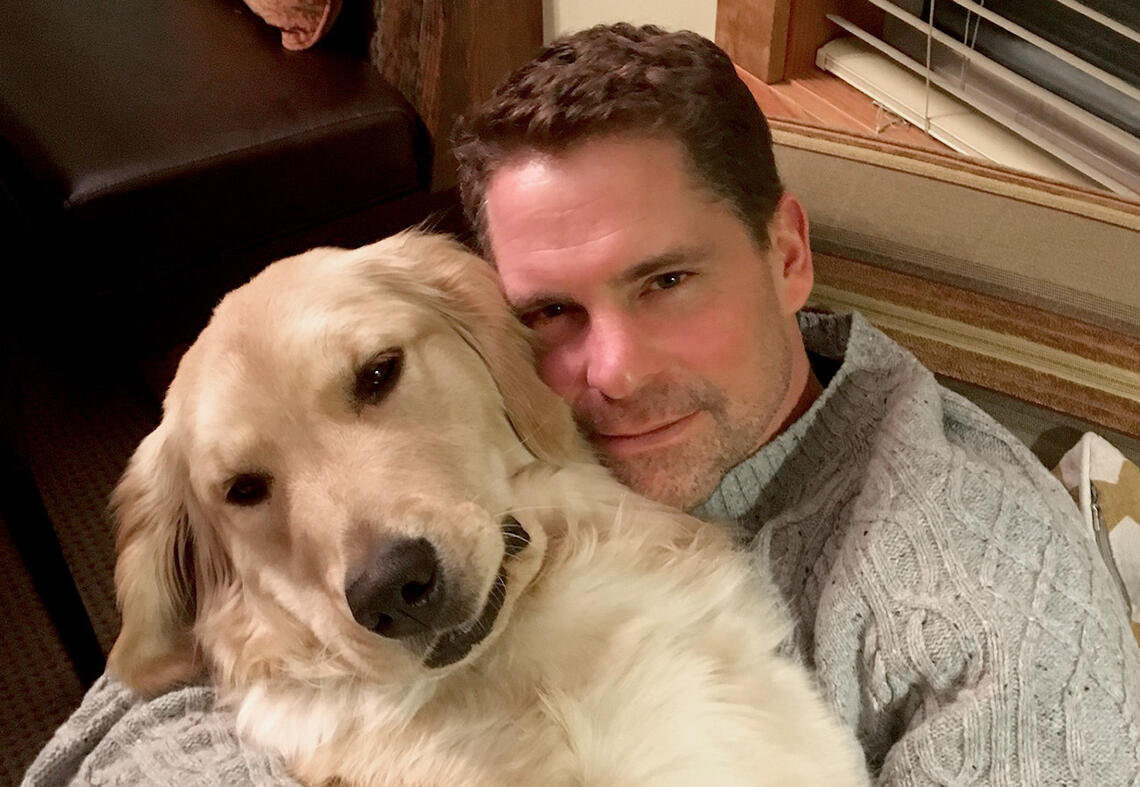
x: 82, y: 426
x: 39, y: 685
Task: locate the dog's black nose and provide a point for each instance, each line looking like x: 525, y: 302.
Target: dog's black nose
x: 400, y: 593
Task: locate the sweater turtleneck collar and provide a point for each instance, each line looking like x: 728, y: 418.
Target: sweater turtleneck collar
x: 770, y: 479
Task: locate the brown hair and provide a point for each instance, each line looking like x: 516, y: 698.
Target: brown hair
x: 623, y: 79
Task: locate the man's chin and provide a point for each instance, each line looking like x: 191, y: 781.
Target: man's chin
x: 680, y: 465
x: 671, y: 483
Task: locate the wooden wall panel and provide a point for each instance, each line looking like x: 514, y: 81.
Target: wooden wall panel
x: 755, y: 35
x: 1076, y: 368
x: 809, y: 29
x: 446, y: 56
x: 777, y: 39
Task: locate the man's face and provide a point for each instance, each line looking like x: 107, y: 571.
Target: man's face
x: 670, y: 334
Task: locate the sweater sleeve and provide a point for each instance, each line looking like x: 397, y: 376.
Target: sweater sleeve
x: 995, y: 649
x: 179, y: 739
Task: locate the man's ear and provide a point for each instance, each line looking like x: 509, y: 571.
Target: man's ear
x: 791, y: 246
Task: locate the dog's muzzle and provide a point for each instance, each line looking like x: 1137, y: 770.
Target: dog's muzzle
x: 403, y: 595
x: 454, y: 645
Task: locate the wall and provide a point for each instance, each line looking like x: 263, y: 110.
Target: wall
x: 566, y: 16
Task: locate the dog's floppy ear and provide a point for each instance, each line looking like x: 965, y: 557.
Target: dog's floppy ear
x: 154, y: 573
x: 475, y: 304
x: 538, y: 415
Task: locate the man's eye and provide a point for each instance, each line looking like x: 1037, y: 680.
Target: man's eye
x: 667, y: 281
x: 552, y: 311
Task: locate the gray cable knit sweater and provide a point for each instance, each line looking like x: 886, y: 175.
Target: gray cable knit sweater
x: 957, y: 615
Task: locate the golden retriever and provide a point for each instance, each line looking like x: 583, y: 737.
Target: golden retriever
x: 380, y: 534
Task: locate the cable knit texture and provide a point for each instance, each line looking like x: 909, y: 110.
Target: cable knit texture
x: 956, y: 614
x: 945, y: 592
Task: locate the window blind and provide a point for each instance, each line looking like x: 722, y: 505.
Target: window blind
x: 1062, y: 74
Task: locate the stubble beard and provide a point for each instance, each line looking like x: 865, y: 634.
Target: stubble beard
x: 685, y: 474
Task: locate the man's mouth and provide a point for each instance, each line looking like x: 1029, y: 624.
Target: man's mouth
x: 454, y: 645
x: 624, y: 441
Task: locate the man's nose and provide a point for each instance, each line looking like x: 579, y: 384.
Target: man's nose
x: 618, y: 357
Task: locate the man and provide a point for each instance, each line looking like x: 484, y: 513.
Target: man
x: 644, y: 237
x: 956, y: 617
x: 624, y: 186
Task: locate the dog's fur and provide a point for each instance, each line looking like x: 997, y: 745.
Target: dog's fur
x: 634, y: 647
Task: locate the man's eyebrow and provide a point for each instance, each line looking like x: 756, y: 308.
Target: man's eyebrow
x: 666, y: 261
x: 672, y: 259
x: 538, y: 301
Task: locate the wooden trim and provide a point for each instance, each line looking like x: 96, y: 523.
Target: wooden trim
x: 958, y: 170
x: 755, y: 35
x: 964, y: 305
x: 821, y: 100
x: 1030, y: 385
x: 446, y: 56
x: 809, y: 29
x: 1066, y: 365
x: 777, y: 39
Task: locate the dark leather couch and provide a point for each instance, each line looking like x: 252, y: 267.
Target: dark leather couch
x: 153, y: 153
x: 156, y: 153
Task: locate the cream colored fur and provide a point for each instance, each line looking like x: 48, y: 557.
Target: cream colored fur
x: 635, y: 647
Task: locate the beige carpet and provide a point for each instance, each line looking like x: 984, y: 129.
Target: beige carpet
x: 82, y: 426
x: 37, y: 682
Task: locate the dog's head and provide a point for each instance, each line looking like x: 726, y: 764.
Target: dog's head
x: 329, y: 489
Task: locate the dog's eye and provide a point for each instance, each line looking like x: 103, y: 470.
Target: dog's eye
x: 377, y: 377
x: 248, y: 489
